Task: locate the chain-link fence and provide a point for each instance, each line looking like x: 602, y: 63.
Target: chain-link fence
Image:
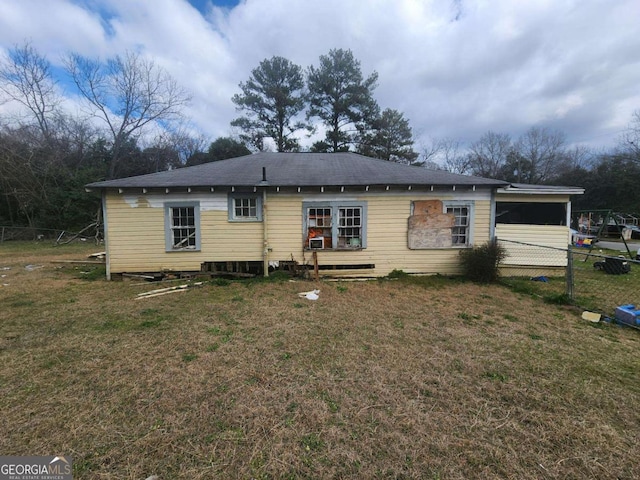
x: 596, y: 280
x: 9, y: 233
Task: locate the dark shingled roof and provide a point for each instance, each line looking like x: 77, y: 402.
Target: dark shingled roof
x: 298, y: 170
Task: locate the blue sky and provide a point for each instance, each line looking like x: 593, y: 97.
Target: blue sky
x: 203, y: 5
x: 455, y: 68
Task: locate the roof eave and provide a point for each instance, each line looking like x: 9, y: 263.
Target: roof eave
x: 541, y: 190
x: 92, y: 187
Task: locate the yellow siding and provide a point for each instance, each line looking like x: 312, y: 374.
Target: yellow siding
x: 527, y: 237
x: 136, y: 235
x: 387, y: 218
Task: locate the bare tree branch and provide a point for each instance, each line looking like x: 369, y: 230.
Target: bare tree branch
x: 25, y: 77
x: 489, y: 154
x: 127, y: 93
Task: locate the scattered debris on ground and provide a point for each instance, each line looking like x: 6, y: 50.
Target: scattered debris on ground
x: 591, y: 316
x: 628, y: 315
x: 312, y: 295
x: 80, y: 262
x: 31, y: 268
x: 165, y: 291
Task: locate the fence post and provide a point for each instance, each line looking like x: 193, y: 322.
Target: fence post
x: 569, y: 274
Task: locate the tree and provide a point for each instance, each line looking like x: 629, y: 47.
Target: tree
x: 610, y: 183
x: 630, y: 141
x: 226, y: 147
x: 542, y: 152
x: 25, y: 77
x: 272, y: 98
x: 43, y: 164
x: 488, y: 155
x: 574, y: 159
x: 128, y: 93
x: 221, y: 149
x: 185, y: 142
x: 22, y: 175
x: 41, y: 183
x: 516, y: 169
x: 390, y: 139
x: 160, y: 157
x: 341, y: 99
x: 445, y: 154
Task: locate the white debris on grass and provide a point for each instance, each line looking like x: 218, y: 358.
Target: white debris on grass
x: 31, y: 268
x: 312, y: 295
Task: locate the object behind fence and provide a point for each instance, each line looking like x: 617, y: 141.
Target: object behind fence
x: 592, y: 281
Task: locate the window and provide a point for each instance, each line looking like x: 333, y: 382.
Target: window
x: 350, y: 226
x: 538, y: 213
x: 182, y: 227
x: 245, y: 208
x: 320, y: 227
x: 461, y: 230
x: 334, y: 226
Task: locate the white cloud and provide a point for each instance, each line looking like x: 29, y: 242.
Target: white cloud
x: 52, y: 26
x: 455, y: 68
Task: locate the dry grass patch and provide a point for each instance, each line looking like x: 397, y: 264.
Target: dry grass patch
x: 432, y: 378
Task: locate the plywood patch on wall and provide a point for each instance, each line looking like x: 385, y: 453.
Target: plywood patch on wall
x: 429, y: 227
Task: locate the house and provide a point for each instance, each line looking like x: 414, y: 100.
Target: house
x: 349, y: 214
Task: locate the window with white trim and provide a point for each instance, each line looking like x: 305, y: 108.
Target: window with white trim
x: 245, y: 208
x: 334, y: 225
x: 461, y: 230
x: 182, y: 226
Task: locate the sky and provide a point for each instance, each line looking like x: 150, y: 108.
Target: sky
x: 455, y: 68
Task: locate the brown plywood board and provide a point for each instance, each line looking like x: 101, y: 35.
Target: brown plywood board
x: 427, y: 207
x: 429, y: 227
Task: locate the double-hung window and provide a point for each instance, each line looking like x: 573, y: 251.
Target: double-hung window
x: 245, y: 208
x: 350, y: 227
x: 461, y: 230
x: 334, y: 225
x: 182, y: 226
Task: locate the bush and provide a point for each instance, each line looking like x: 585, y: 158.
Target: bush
x: 398, y: 274
x: 481, y: 264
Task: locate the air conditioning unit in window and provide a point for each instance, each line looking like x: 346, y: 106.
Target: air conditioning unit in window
x: 317, y: 242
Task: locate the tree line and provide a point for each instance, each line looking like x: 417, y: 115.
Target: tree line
x: 132, y: 122
x: 48, y: 154
x: 280, y: 101
x: 541, y: 156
